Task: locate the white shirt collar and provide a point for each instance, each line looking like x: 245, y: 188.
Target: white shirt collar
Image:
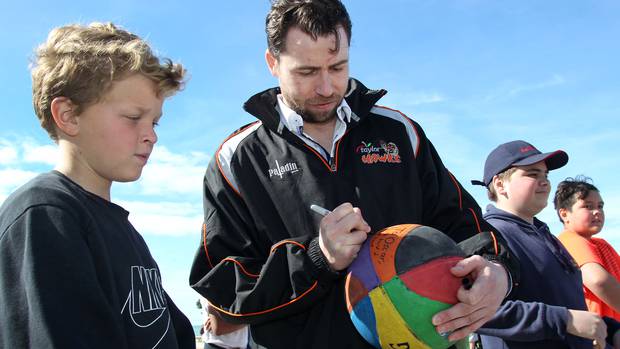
x: 294, y: 122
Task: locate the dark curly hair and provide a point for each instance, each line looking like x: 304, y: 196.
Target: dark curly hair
x: 570, y: 191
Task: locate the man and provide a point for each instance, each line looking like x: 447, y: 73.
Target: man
x: 265, y: 258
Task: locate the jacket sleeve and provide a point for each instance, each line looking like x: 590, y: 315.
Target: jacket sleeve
x: 270, y: 281
x: 49, y: 293
x: 452, y: 210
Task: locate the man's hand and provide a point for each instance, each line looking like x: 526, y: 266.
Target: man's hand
x: 478, y: 304
x: 341, y: 235
x: 218, y: 326
x: 589, y: 325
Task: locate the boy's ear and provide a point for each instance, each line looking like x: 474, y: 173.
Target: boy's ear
x: 563, y: 213
x: 498, y: 183
x: 272, y: 63
x: 65, y: 117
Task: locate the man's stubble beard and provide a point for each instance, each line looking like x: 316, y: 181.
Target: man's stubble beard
x: 312, y: 117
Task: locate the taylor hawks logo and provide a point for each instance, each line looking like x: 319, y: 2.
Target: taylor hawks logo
x: 384, y: 152
x: 281, y: 170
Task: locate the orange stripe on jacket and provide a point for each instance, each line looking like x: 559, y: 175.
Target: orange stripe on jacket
x: 458, y: 189
x: 204, y: 242
x: 270, y: 309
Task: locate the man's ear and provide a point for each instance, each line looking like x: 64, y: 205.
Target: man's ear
x: 65, y: 117
x: 272, y: 63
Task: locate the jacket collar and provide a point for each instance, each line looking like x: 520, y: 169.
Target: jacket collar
x: 359, y: 98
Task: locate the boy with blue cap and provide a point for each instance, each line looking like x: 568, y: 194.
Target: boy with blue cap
x: 547, y: 310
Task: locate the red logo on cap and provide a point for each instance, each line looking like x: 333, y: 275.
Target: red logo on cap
x: 526, y: 149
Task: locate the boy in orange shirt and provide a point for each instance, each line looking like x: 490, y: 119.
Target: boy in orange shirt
x: 580, y: 208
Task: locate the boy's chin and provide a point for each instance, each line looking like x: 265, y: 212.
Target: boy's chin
x: 589, y: 233
x: 129, y: 177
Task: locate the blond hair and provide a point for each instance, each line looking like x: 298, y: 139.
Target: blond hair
x: 504, y: 176
x: 81, y: 63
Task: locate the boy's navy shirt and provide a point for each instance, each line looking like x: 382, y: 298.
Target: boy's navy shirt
x: 74, y: 273
x: 536, y: 312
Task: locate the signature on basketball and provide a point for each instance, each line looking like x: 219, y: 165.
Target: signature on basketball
x: 382, y: 246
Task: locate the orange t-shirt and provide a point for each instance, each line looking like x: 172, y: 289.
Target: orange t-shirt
x: 593, y: 250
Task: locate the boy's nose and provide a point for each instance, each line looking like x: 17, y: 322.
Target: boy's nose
x: 150, y: 136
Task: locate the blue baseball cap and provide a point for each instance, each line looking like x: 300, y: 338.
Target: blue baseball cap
x: 518, y: 153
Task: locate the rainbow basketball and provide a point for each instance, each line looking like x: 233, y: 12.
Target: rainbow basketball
x: 399, y: 280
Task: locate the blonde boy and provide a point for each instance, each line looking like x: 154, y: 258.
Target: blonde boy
x: 74, y: 273
x: 547, y: 310
x: 580, y: 208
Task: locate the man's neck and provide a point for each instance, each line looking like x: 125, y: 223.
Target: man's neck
x: 322, y: 133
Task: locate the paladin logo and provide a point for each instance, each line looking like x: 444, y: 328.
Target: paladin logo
x: 384, y: 152
x: 281, y: 170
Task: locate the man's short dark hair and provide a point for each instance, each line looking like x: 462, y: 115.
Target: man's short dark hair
x: 570, y: 191
x: 314, y: 17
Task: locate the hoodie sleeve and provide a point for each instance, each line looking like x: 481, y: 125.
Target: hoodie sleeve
x: 270, y: 281
x: 527, y: 322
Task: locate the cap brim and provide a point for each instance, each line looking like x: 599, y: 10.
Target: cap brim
x: 554, y: 160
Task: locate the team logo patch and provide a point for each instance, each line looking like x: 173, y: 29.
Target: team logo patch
x: 384, y: 152
x: 281, y: 170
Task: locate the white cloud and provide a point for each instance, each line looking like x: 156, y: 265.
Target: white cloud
x: 27, y: 151
x: 512, y: 89
x: 165, y: 218
x: 8, y: 153
x: 43, y: 154
x: 173, y: 174
x: 11, y: 179
x: 408, y: 99
x: 176, y: 180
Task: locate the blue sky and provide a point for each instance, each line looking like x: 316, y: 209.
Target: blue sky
x: 473, y: 73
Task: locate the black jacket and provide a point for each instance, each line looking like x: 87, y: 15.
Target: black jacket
x: 259, y: 261
x: 74, y: 273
